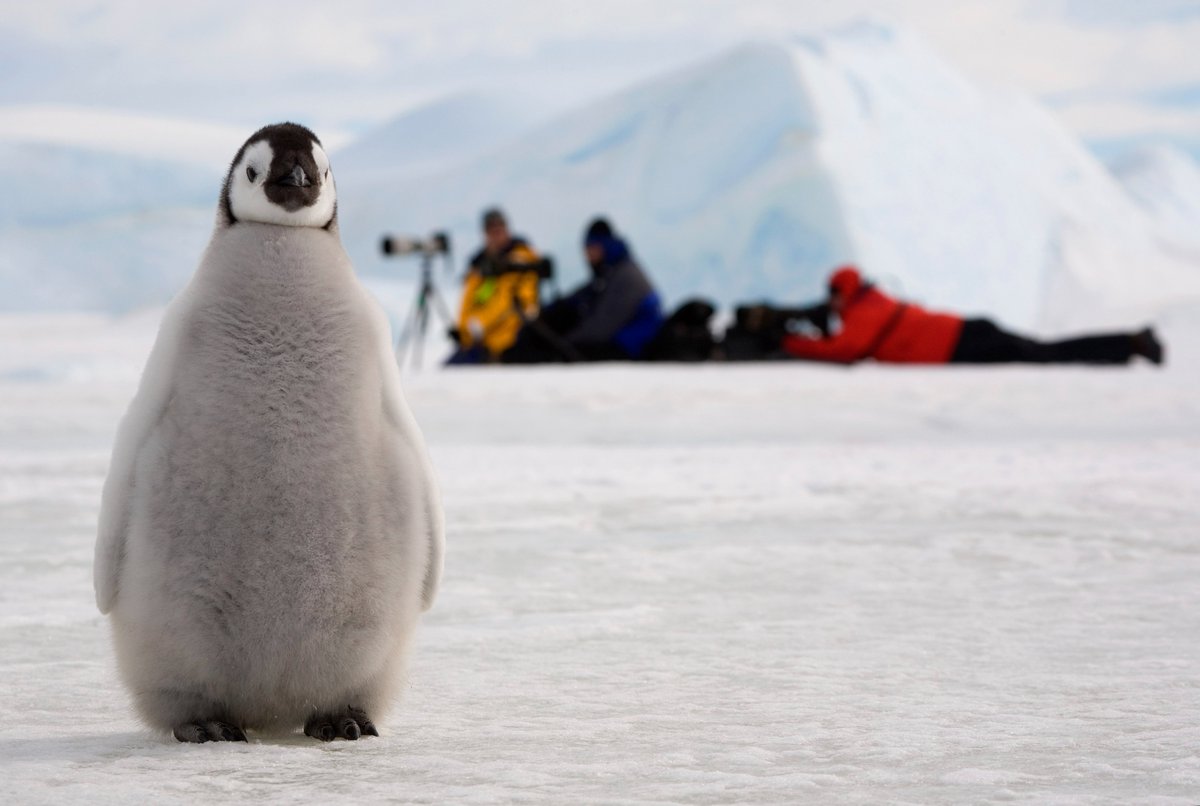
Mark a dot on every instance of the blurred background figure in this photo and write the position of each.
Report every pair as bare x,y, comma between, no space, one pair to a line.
874,325
611,317
500,292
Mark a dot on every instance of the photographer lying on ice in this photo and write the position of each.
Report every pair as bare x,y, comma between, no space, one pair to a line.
612,317
497,295
874,325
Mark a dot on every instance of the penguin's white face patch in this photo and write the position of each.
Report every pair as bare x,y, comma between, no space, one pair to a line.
293,187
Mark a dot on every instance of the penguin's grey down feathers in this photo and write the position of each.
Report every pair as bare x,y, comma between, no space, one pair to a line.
270,530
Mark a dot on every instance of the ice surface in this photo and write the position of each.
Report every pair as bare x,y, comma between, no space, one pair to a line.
709,171
435,136
64,185
754,584
749,175
755,173
88,229
113,263
1166,181
133,134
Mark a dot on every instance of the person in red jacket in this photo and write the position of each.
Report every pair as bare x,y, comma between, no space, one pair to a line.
874,325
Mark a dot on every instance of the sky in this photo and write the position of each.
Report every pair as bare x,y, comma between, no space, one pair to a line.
1116,71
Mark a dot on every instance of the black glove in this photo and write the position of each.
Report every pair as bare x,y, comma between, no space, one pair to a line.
819,316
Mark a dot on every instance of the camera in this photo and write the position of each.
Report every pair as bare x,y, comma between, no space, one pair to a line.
542,267
436,244
774,322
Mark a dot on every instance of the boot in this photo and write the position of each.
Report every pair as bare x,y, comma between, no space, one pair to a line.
1147,345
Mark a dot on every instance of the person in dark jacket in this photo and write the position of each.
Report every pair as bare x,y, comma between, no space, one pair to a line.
612,317
874,325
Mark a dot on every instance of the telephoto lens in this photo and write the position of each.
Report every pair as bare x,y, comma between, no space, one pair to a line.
397,245
437,244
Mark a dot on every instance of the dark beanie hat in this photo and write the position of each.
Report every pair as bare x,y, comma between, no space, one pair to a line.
493,215
598,230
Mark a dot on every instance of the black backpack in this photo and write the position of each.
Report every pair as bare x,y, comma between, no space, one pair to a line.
758,330
754,335
685,335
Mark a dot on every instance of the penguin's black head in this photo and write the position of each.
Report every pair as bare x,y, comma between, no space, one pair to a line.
280,176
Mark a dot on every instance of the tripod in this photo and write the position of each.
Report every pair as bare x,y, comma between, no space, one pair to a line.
412,335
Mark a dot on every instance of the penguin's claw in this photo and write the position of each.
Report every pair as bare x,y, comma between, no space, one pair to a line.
348,729
364,723
319,730
350,726
200,732
233,733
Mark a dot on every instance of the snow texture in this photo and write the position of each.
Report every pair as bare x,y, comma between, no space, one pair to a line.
720,584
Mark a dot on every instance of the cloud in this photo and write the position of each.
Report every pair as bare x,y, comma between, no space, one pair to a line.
1123,13
142,135
1108,120
348,63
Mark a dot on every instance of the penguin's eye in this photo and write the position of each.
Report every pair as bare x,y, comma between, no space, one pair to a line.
327,173
251,174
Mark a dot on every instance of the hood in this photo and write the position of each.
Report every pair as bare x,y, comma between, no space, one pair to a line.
845,282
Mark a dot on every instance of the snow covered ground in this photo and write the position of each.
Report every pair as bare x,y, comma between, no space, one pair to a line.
771,584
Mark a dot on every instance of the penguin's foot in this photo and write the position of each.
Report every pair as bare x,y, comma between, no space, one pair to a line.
349,724
200,732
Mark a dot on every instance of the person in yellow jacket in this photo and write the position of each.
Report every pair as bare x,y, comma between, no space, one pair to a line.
496,293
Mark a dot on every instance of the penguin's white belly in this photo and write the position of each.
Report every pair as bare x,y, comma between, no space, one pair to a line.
276,558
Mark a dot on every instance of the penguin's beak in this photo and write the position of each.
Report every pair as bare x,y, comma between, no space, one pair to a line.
297,178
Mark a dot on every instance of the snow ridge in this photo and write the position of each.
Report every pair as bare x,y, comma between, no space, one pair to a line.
747,176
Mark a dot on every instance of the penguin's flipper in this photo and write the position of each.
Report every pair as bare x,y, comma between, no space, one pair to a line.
401,420
437,545
145,411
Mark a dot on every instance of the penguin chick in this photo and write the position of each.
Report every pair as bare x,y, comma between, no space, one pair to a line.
270,529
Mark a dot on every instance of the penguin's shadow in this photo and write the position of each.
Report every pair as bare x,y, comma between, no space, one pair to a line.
103,747
81,748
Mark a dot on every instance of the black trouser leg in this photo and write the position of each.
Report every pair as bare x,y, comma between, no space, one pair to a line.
983,342
603,352
532,346
1116,348
560,316
540,341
